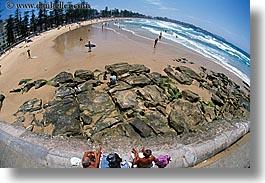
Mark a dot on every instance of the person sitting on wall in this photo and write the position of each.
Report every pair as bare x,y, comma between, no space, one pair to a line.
91,159
146,161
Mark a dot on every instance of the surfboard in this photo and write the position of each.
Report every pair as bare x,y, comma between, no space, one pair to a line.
92,45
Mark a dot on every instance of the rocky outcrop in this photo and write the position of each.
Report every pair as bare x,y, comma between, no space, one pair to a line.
125,99
185,116
62,78
64,116
122,68
140,106
30,106
84,75
27,84
189,72
190,96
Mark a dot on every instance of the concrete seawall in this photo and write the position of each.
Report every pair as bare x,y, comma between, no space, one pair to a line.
20,148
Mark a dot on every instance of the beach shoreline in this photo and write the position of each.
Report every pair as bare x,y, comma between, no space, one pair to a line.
49,62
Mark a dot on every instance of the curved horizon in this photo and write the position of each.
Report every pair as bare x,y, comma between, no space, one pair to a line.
227,19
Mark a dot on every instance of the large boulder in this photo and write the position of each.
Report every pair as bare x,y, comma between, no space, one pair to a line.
28,86
216,100
137,80
189,72
118,68
156,78
177,122
64,92
170,72
64,116
138,68
190,96
125,99
152,93
24,81
244,102
40,83
84,87
63,77
183,78
107,121
141,127
120,135
95,102
185,116
122,68
119,86
84,74
30,106
157,122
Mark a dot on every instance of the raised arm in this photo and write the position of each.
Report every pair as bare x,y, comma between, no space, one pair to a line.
97,160
143,150
136,156
98,154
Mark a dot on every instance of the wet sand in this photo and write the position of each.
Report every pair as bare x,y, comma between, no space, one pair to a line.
61,50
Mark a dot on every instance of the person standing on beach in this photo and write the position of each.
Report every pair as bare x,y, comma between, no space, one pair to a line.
89,46
156,40
29,54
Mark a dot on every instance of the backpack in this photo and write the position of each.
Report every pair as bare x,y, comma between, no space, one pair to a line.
162,161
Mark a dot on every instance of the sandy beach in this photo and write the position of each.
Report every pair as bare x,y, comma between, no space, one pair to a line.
60,50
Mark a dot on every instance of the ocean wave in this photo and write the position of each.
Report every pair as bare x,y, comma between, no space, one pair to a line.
210,46
202,42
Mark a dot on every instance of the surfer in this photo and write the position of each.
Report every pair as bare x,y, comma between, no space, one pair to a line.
89,46
156,40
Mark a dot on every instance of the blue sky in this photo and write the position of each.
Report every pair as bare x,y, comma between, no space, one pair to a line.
229,19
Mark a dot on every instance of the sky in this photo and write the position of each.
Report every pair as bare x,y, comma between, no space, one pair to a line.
229,19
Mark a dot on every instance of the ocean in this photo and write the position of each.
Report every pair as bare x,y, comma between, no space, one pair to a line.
203,42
